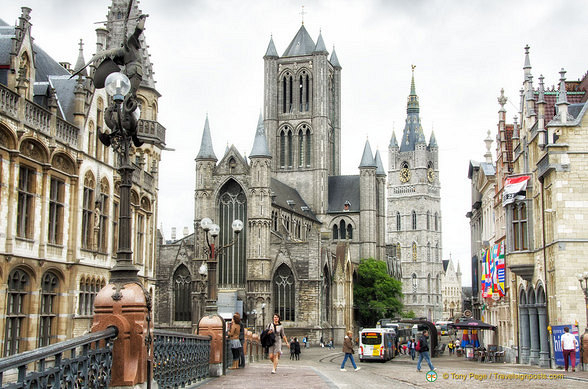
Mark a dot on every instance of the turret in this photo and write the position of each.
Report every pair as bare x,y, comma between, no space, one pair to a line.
380,208
367,200
205,164
541,104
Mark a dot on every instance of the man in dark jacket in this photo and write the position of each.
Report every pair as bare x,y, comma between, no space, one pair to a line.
423,344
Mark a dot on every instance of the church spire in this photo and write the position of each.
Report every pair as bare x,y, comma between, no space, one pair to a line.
413,131
81,62
379,165
320,45
260,148
334,60
393,141
206,150
367,160
271,49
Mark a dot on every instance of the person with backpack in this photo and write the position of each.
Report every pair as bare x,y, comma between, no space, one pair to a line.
423,348
275,350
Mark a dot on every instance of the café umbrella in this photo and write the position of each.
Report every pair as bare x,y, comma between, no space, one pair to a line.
471,324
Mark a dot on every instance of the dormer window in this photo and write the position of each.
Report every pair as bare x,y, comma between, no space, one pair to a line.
346,206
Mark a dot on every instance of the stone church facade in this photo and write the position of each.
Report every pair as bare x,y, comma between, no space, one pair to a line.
414,214
306,225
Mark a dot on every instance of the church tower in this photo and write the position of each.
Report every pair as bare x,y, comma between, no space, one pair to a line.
302,104
414,213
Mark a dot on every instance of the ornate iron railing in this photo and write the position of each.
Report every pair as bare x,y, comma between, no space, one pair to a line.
179,359
88,366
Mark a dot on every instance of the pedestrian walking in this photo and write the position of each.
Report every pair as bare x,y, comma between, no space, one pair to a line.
423,349
568,345
304,341
322,342
234,339
348,350
275,351
412,349
242,340
292,349
297,349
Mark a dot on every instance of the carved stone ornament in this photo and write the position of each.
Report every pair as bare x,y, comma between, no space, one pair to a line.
64,164
6,140
32,150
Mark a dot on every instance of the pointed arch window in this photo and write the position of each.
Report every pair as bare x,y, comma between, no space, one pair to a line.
289,153
326,295
287,93
428,251
349,231
415,284
300,148
104,209
284,293
429,287
231,265
308,145
436,222
282,149
304,91
48,316
398,222
342,229
414,251
414,220
284,95
398,253
87,211
335,231
182,292
428,220
16,311
437,252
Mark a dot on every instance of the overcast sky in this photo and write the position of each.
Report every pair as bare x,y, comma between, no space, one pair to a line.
208,58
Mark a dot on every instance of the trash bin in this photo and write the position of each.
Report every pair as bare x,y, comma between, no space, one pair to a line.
469,352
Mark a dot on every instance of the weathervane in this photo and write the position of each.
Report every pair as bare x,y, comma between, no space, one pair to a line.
302,13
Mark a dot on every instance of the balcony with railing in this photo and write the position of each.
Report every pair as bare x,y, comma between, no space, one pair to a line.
151,131
37,117
8,102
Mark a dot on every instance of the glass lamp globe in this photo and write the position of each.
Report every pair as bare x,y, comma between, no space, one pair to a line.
117,85
205,223
237,226
214,230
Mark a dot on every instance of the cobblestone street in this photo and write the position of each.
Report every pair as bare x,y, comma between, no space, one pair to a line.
319,368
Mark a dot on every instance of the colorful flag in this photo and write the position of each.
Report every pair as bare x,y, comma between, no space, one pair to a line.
514,189
501,269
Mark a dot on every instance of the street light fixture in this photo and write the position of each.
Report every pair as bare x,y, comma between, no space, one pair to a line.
212,230
583,279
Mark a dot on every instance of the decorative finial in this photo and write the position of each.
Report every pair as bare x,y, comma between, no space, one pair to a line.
502,99
81,44
302,13
413,66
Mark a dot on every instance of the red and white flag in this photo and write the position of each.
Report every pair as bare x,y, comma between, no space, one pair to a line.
514,189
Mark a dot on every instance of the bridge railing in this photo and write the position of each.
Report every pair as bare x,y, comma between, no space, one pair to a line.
85,362
179,359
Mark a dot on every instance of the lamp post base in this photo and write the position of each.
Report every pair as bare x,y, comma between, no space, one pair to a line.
214,325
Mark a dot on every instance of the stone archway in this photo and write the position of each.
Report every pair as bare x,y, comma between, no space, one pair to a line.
525,335
544,351
534,327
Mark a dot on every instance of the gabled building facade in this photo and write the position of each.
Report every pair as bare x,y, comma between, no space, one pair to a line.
59,196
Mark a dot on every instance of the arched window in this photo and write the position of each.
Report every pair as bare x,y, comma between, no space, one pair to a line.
429,287
308,146
102,214
304,91
282,149
414,251
349,231
284,94
287,93
342,229
300,148
49,288
231,265
289,152
398,253
56,207
415,284
182,292
519,224
428,220
437,252
428,251
398,221
335,231
414,220
100,149
16,311
284,293
436,222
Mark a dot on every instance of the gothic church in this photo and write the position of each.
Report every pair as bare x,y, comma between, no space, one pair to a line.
306,225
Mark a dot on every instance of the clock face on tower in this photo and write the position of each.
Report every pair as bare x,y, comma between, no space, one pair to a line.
431,175
404,174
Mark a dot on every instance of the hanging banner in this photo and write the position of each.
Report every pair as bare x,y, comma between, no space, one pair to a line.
500,269
514,189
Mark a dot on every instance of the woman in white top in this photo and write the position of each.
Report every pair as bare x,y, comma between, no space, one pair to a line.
276,349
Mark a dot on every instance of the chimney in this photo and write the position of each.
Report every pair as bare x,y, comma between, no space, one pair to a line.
173,234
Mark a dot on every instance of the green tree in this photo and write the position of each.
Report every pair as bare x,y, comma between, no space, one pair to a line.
376,295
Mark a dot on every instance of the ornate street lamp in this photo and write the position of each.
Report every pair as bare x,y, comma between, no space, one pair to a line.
583,278
211,232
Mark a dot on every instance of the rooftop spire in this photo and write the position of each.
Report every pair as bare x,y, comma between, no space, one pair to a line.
320,45
413,131
81,62
334,60
527,65
541,97
502,99
488,141
562,98
379,165
393,142
206,150
260,148
367,160
432,140
271,49
302,44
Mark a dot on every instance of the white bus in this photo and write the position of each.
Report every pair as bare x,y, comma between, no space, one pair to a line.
377,344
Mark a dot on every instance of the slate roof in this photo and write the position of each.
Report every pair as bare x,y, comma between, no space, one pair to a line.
284,193
574,109
342,189
271,49
379,165
488,169
64,91
206,150
367,160
260,148
413,131
320,45
302,44
334,60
